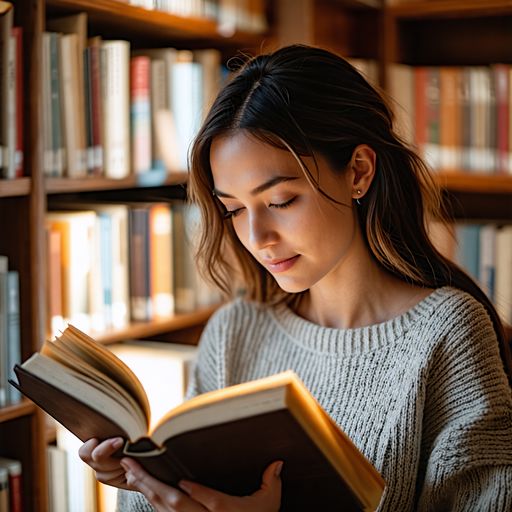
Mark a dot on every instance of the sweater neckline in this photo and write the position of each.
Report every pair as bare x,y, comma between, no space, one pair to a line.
359,340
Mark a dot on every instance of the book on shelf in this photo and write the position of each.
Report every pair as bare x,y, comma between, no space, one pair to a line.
17,33
7,92
57,479
461,115
10,343
94,395
15,470
485,252
4,490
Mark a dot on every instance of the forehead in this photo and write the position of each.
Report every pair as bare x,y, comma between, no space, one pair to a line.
244,160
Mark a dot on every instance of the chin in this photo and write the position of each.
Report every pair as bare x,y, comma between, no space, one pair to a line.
292,286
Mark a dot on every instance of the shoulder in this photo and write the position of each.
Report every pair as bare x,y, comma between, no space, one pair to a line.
455,313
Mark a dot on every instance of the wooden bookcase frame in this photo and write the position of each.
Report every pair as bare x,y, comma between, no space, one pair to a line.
370,31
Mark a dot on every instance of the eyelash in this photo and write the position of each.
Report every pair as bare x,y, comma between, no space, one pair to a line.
234,213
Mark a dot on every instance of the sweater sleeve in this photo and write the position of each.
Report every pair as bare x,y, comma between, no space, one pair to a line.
467,432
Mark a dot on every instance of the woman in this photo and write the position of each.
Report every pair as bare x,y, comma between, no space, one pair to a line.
303,182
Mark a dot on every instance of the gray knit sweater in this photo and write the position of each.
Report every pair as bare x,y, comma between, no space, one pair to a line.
423,396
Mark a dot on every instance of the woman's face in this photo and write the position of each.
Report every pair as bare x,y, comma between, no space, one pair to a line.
298,236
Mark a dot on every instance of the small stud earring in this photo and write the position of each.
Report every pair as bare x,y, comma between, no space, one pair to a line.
357,200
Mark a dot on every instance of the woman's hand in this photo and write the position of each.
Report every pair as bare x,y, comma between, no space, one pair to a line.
197,498
99,456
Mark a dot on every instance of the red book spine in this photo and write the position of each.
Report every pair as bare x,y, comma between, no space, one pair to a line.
502,100
17,33
15,492
421,129
97,135
140,99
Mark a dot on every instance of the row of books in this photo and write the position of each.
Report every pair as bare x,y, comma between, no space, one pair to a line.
485,251
163,369
10,343
112,263
459,117
11,95
11,499
231,15
109,111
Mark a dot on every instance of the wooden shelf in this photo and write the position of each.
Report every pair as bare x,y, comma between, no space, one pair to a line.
67,185
157,24
450,9
11,412
16,187
482,183
361,4
137,330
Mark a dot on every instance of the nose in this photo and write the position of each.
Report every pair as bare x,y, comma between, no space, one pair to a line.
262,232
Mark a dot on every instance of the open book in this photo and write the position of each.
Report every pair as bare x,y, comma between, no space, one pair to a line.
223,439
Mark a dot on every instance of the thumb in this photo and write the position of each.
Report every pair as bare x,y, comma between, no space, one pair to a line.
271,482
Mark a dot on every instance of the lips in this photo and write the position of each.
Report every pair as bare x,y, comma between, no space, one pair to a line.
280,265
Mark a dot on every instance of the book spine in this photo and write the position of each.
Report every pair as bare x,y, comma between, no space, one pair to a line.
17,33
57,145
4,490
161,261
55,282
97,114
465,117
4,338
488,258
14,340
492,122
106,266
503,282
139,265
158,104
140,107
88,112
5,68
448,125
433,94
68,107
15,491
117,107
421,119
501,80
11,111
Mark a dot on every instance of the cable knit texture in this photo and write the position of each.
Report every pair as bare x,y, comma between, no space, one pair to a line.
423,396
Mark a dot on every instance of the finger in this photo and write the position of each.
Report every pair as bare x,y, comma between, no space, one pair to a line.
270,490
162,497
212,500
85,451
115,478
102,455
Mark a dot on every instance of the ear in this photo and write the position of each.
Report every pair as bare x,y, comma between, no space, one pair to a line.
363,166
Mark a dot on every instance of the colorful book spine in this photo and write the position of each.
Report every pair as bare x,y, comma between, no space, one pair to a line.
88,112
4,490
14,469
140,107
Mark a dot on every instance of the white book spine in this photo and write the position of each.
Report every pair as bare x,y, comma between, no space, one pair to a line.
116,109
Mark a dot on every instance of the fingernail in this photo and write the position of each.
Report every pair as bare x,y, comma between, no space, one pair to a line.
185,486
279,468
118,443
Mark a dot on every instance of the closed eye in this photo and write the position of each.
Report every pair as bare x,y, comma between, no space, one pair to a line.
233,213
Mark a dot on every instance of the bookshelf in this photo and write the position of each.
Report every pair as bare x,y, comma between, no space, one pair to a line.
23,202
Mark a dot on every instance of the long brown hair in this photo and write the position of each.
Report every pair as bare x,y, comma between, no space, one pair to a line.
312,102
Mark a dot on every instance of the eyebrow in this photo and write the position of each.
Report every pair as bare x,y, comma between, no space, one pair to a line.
261,188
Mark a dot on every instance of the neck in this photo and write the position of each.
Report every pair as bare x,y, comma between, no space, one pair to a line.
359,293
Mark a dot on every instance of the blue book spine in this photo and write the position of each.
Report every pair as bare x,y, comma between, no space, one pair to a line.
472,249
106,265
4,340
14,339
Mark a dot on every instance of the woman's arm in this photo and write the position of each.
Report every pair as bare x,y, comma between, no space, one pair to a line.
467,432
